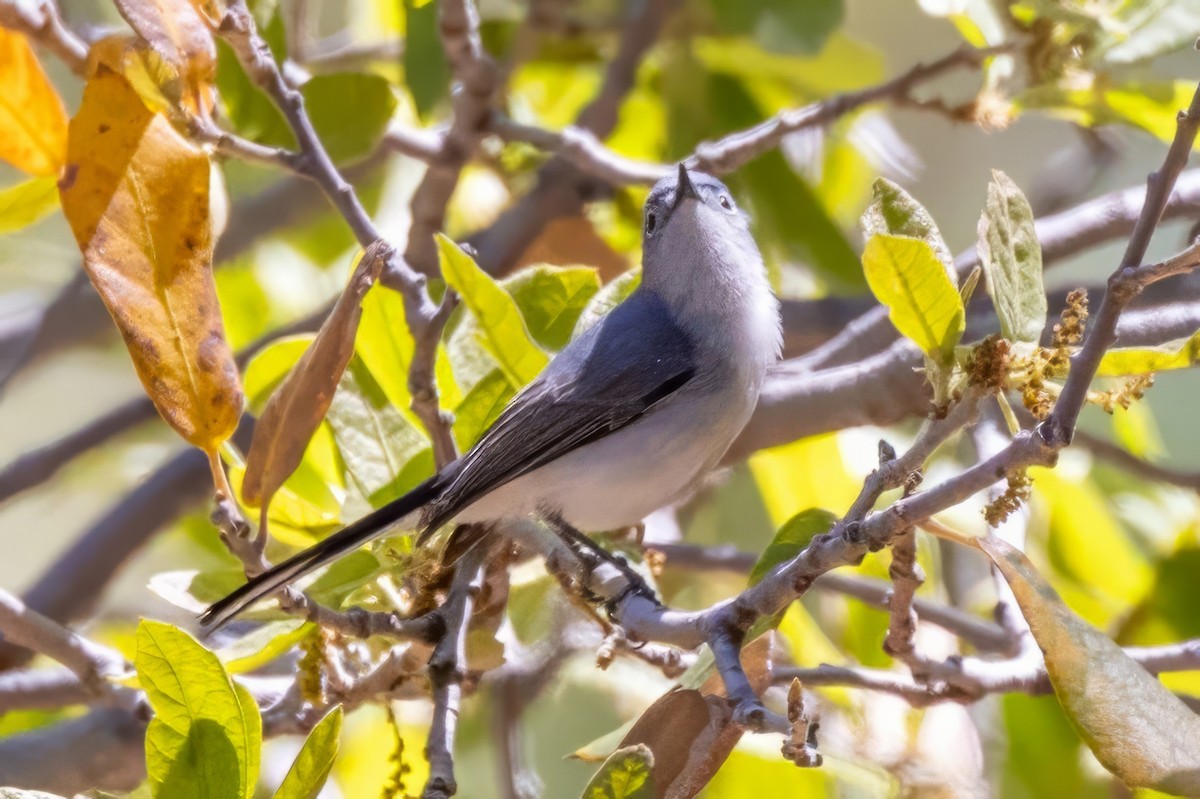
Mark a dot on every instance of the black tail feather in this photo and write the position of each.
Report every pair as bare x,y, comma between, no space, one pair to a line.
332,548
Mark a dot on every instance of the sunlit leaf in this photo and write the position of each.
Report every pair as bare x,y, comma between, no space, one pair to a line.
205,736
298,405
1012,261
177,32
896,212
366,762
1085,541
384,454
263,644
136,195
501,327
315,760
608,297
33,123
27,202
1138,729
551,300
386,346
350,111
1140,360
746,773
625,775
480,407
923,303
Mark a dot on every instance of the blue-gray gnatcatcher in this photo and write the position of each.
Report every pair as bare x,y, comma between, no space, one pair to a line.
625,419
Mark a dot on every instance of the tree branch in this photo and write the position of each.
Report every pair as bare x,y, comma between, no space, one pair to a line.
447,670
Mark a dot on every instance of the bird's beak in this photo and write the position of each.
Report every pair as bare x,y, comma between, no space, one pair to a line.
684,188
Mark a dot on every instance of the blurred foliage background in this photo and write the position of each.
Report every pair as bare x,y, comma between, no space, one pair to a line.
1122,551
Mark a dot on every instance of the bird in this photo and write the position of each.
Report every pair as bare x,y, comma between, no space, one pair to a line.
627,418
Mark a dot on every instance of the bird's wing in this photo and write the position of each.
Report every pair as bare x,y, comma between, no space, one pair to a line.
608,378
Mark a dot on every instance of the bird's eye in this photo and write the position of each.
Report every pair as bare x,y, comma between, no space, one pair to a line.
725,202
651,224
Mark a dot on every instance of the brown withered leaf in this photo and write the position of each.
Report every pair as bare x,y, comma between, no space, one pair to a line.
689,731
33,124
298,405
136,195
179,34
1137,729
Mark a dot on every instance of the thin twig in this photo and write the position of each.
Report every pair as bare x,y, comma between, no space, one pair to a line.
448,670
734,150
1127,282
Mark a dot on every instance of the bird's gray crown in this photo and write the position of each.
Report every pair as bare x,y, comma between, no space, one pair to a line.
665,190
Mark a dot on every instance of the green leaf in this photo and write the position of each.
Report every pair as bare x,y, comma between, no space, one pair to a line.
384,454
205,737
612,294
312,765
350,112
895,212
263,644
551,300
1180,354
480,408
791,539
386,346
251,112
25,203
501,327
923,303
267,369
1012,261
625,775
426,72
1137,729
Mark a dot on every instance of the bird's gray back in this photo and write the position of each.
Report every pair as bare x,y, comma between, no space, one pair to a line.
605,379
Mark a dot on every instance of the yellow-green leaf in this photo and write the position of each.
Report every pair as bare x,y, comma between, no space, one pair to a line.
551,300
896,212
385,455
500,324
625,775
1012,261
136,196
1137,729
25,203
33,123
1180,354
205,737
312,765
923,303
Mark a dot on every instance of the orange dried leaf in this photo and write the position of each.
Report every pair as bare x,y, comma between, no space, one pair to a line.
136,195
1137,729
33,123
297,407
180,35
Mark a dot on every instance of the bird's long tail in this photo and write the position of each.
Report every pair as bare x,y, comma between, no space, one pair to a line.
316,556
